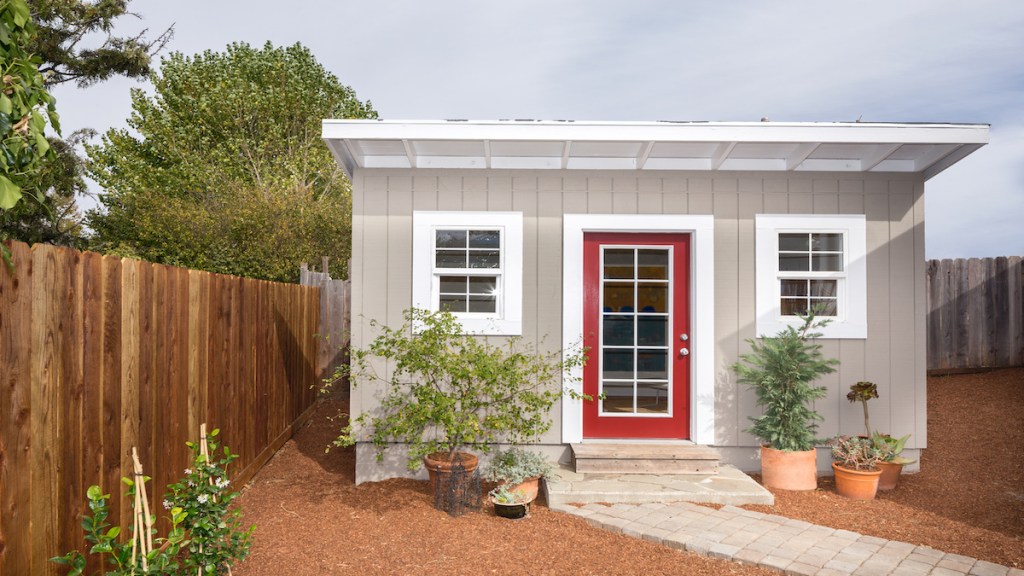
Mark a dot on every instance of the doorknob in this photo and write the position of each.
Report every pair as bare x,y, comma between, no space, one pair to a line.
684,351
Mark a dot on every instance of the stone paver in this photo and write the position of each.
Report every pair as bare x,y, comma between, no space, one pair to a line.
789,546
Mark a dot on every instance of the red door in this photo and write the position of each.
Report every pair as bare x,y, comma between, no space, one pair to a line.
636,325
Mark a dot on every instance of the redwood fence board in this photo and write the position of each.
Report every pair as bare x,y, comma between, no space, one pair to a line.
101,354
975,313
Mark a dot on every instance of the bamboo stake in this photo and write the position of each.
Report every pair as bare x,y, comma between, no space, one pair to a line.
142,516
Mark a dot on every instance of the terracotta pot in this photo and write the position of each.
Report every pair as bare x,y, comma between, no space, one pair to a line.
890,475
789,470
529,487
439,465
856,484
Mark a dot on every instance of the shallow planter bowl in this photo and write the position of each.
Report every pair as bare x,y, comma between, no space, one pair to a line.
511,511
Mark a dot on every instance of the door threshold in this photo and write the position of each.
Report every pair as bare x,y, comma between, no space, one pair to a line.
664,441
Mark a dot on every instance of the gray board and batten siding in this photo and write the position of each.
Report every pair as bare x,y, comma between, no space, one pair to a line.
893,355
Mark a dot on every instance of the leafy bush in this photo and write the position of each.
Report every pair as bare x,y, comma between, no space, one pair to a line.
515,465
448,390
781,370
216,537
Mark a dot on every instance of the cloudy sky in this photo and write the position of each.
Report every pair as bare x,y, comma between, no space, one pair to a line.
807,60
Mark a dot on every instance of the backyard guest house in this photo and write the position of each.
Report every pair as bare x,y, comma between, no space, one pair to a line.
664,246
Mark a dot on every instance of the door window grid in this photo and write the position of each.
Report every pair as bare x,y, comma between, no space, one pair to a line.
635,373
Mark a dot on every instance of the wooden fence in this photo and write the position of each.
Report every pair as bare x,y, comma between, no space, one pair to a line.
335,319
975,313
101,354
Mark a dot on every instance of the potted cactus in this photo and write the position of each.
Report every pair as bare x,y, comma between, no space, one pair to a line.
855,462
782,370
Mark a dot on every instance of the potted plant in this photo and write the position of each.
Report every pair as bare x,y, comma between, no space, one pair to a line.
855,462
888,448
447,391
782,371
513,504
890,461
518,470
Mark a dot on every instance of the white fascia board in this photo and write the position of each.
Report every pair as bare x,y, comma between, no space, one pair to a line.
849,132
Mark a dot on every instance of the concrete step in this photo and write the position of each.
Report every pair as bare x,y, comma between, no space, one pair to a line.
644,458
727,486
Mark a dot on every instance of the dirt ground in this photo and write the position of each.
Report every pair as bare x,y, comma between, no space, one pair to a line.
311,519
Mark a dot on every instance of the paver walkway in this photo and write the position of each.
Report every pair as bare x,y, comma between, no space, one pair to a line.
788,545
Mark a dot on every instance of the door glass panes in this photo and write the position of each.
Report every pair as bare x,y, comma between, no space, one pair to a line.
635,310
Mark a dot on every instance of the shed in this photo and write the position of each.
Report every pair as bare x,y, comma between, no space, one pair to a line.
665,245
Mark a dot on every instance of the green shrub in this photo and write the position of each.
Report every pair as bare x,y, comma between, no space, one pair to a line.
448,390
781,370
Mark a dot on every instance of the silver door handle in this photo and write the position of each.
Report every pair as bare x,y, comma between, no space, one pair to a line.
684,351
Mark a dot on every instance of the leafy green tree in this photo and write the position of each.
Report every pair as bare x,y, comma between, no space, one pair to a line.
25,106
72,40
229,173
65,42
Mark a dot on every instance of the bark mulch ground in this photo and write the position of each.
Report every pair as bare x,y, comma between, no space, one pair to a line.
311,519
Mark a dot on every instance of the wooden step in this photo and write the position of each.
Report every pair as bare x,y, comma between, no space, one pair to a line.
639,458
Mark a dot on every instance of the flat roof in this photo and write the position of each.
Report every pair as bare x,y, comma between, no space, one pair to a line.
586,145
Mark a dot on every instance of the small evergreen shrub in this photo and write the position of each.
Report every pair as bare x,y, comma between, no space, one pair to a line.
782,370
515,465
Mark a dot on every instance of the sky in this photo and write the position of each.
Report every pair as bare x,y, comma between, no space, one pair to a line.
792,60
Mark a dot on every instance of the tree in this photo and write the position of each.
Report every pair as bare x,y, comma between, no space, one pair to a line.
63,25
25,106
64,46
230,174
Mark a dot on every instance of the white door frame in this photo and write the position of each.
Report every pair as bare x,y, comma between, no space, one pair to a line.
702,306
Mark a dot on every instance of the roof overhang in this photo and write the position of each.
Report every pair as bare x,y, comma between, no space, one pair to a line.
570,145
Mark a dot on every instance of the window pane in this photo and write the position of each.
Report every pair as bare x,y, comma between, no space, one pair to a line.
653,264
618,263
451,259
828,262
618,364
793,306
618,331
652,330
793,262
453,284
827,242
652,397
484,259
484,239
828,307
652,364
451,238
453,302
794,287
481,303
652,298
823,288
618,397
618,297
793,242
483,284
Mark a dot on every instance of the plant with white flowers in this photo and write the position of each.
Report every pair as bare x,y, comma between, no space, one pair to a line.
216,537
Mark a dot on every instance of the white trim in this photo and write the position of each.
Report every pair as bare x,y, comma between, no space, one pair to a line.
852,319
509,319
702,307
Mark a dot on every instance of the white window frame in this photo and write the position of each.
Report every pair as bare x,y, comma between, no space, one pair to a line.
851,320
508,319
